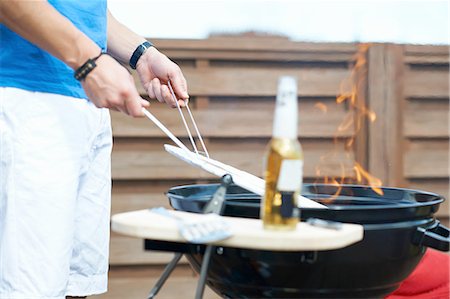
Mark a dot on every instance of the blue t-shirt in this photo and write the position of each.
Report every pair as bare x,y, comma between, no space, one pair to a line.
24,65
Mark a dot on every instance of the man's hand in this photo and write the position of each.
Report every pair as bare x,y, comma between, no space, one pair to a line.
109,85
155,71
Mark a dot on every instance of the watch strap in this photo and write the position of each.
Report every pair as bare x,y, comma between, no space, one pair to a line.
138,53
81,72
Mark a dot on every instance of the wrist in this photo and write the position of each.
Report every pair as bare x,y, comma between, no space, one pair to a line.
82,49
82,56
139,52
147,57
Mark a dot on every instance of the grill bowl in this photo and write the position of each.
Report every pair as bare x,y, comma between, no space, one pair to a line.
392,247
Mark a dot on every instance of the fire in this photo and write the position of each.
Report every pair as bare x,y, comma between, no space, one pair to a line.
358,114
374,182
321,106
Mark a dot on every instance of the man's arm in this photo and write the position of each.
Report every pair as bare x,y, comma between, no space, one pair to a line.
109,85
44,26
154,68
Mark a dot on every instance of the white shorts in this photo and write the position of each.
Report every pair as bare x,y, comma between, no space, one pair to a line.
55,193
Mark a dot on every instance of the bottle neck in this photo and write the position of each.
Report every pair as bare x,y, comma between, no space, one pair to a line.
286,113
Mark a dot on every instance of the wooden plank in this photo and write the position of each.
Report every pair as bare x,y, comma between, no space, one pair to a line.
256,49
242,81
130,251
135,282
360,71
439,186
138,195
426,83
427,59
426,119
201,103
255,120
384,96
141,159
259,56
427,159
426,54
247,233
251,44
426,50
202,63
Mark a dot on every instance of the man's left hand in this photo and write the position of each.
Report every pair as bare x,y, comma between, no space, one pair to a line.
155,71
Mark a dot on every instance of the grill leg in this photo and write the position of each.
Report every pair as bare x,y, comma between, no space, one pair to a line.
167,271
203,272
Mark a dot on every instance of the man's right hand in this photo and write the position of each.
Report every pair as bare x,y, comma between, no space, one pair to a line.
110,85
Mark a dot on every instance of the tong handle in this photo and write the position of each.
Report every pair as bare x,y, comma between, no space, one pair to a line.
164,129
199,136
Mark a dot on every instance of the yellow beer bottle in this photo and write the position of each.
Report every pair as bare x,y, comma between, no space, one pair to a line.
284,162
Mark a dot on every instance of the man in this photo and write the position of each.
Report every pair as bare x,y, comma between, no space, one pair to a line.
55,144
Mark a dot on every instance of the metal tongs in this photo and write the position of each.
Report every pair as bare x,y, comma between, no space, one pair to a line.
242,178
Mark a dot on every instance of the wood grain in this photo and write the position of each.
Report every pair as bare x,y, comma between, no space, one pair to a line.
427,83
427,159
385,79
236,43
254,81
146,159
137,195
426,50
130,251
426,118
238,121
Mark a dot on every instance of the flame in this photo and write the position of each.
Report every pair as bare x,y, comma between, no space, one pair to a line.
346,123
357,115
322,107
373,182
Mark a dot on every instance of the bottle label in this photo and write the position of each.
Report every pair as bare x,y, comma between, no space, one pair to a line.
291,175
287,204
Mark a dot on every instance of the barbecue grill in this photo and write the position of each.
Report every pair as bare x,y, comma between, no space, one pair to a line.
398,228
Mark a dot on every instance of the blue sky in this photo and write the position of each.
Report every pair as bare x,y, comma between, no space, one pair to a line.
401,21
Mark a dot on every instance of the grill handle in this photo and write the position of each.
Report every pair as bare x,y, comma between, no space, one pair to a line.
437,237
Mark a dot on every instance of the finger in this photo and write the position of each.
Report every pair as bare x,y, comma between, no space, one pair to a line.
182,103
133,103
179,84
150,92
145,103
167,95
103,104
108,105
156,86
122,108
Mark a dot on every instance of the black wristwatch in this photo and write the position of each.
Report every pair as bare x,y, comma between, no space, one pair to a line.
138,53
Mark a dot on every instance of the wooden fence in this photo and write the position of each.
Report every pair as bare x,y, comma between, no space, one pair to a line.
232,84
